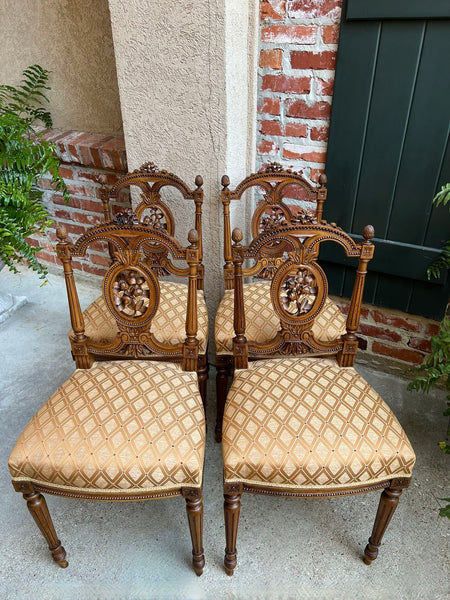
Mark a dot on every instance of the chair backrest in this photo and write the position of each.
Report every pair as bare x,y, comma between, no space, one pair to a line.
298,290
275,183
153,211
131,290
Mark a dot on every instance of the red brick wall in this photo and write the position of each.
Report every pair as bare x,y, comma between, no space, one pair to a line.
88,160
392,334
298,49
296,74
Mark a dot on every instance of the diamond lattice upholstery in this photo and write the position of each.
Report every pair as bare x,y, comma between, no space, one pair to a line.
306,422
119,426
168,324
262,324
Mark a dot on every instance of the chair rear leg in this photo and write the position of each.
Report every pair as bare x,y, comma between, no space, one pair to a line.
232,507
194,509
202,373
386,508
38,508
221,395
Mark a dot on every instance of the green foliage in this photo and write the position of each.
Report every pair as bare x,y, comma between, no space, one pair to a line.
436,367
24,158
442,262
445,511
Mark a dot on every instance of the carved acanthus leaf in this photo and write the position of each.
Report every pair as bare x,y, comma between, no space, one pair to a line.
127,257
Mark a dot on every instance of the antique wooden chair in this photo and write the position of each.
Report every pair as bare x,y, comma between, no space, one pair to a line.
274,184
306,426
168,323
125,429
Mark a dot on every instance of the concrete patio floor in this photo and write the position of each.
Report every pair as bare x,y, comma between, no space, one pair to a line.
306,549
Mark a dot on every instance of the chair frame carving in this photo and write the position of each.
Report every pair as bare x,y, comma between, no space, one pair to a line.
273,179
295,335
151,180
128,240
302,241
134,338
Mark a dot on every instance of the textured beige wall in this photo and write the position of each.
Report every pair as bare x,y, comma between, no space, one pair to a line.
187,81
73,39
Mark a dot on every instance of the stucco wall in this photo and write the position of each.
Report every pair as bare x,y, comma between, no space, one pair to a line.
187,83
72,38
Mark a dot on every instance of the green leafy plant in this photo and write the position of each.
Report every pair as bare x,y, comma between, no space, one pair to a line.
443,260
24,158
436,368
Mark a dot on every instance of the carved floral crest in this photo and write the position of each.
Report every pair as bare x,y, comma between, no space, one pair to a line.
126,217
272,220
154,218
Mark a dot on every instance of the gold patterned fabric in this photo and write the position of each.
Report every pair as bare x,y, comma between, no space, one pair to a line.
305,423
262,324
168,324
119,426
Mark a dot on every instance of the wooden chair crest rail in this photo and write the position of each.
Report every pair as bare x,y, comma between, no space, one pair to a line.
274,185
124,429
306,424
151,211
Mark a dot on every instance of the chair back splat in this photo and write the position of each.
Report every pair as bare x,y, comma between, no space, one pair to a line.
131,290
153,211
274,183
298,290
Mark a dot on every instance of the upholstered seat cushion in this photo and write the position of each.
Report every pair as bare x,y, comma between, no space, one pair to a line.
168,324
120,426
305,423
262,324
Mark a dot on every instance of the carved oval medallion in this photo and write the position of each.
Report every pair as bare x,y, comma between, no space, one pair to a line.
131,293
298,292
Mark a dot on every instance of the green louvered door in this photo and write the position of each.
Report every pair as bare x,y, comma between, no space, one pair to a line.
388,151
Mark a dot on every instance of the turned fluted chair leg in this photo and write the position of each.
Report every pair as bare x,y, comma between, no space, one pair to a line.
38,508
232,507
194,509
386,508
221,395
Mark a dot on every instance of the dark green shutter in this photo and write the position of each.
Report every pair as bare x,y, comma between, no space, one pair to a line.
388,151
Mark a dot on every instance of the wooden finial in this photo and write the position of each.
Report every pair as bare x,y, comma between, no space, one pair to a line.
61,233
368,232
225,181
199,181
193,237
237,235
323,179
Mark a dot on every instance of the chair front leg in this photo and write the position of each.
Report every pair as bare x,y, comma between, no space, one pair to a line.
38,508
194,509
232,507
386,508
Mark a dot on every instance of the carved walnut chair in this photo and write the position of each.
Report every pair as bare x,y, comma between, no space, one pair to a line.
168,323
126,429
307,426
274,184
